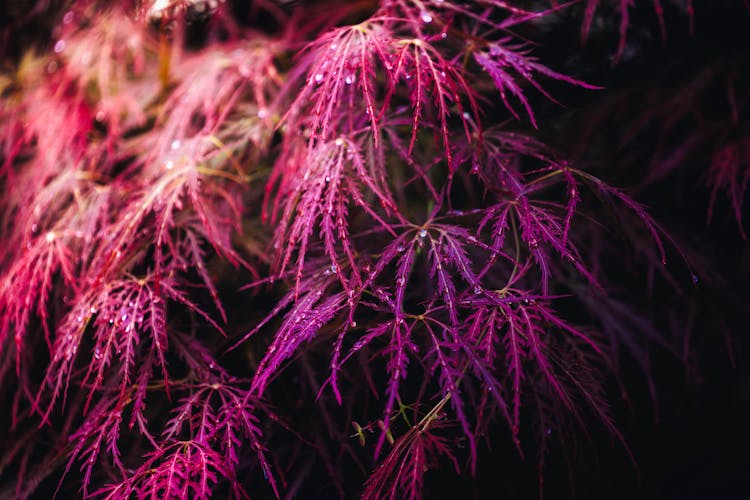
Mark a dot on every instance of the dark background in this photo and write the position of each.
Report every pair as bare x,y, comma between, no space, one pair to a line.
693,442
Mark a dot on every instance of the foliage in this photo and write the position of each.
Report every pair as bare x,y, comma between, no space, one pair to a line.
403,237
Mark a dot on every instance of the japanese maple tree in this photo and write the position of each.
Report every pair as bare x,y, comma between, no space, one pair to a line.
273,248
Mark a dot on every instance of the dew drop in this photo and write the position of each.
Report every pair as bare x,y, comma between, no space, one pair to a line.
334,269
695,279
443,35
262,113
318,78
426,17
50,236
97,353
477,290
400,282
68,17
34,228
169,165
59,46
353,324
400,248
100,116
176,144
328,179
93,310
349,79
422,233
